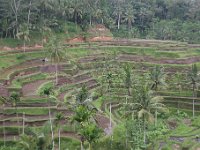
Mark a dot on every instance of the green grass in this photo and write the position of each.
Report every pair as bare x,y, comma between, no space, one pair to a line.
28,111
19,82
69,143
10,42
14,59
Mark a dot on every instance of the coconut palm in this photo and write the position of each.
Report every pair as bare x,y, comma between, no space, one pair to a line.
178,81
47,92
82,95
144,104
23,34
15,98
157,76
108,77
2,104
118,12
194,79
129,16
56,53
59,118
34,139
127,80
27,142
91,132
75,8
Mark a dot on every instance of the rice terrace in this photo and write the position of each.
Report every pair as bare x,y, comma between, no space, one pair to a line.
73,79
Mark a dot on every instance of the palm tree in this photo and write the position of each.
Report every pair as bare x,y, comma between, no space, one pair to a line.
23,34
157,76
129,16
47,92
59,118
15,98
178,81
34,139
55,51
91,132
128,81
2,103
194,79
82,95
84,111
27,142
118,12
144,104
109,80
76,9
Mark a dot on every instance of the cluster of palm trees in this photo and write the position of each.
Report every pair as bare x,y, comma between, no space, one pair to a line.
143,103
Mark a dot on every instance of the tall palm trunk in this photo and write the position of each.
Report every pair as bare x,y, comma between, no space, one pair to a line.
59,138
50,120
193,102
23,122
144,131
24,46
15,9
118,21
29,12
90,147
4,131
90,20
156,117
129,91
56,66
17,118
110,116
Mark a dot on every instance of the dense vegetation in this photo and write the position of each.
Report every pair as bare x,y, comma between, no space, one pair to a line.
159,19
100,96
68,91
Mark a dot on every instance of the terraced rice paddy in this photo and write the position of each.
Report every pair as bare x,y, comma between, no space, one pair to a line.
27,74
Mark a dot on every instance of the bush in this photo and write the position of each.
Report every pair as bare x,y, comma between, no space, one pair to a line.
20,57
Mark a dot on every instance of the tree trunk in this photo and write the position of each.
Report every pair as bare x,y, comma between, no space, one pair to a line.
23,122
15,10
75,18
59,138
102,21
178,106
17,119
56,66
89,146
52,134
156,117
193,101
6,33
144,130
129,92
118,21
4,131
90,20
24,46
81,145
29,12
110,116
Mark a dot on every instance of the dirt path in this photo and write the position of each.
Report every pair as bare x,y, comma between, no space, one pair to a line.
135,58
27,64
30,89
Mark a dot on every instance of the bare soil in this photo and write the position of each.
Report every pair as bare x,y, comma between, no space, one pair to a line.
102,121
4,91
92,59
21,48
31,88
136,58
